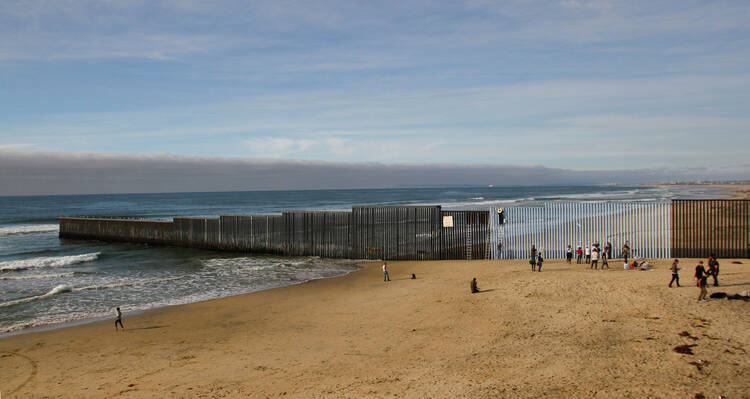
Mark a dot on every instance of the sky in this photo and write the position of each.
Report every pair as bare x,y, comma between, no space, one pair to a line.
402,92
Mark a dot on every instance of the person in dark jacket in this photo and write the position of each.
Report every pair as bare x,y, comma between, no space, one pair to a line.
713,269
700,272
675,276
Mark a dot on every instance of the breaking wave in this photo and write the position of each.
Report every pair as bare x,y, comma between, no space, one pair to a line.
57,290
47,261
28,229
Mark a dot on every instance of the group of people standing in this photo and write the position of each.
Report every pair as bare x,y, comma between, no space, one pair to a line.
594,254
536,260
701,275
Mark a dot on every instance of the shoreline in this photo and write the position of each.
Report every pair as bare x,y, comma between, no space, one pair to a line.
733,191
97,319
527,334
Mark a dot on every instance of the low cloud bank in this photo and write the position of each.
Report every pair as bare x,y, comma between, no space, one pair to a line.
42,173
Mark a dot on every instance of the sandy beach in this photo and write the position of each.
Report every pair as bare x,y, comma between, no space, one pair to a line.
565,332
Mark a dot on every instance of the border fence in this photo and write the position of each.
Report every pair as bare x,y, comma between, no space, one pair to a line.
681,228
552,226
703,227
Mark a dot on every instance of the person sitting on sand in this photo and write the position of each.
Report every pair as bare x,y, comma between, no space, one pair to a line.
474,288
118,320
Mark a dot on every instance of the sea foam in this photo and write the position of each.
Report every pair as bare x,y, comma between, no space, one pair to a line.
28,229
47,261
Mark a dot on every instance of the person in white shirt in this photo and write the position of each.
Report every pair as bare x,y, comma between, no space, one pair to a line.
386,277
594,259
587,252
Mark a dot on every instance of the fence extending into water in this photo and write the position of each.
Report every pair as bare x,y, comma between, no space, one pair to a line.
681,228
374,232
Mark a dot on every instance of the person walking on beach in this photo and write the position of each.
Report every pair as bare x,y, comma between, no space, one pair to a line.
588,254
702,283
604,260
579,255
713,268
386,277
594,259
569,254
675,276
700,271
625,251
118,320
474,288
532,261
539,261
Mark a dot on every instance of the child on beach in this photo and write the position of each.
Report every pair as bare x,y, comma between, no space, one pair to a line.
539,261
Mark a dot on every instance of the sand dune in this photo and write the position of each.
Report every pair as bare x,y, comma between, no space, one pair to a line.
565,332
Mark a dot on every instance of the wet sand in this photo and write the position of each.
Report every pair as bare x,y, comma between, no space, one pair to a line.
565,332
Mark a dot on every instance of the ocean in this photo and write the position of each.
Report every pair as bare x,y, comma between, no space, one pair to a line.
47,282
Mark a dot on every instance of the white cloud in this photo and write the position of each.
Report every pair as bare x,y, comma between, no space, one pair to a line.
287,147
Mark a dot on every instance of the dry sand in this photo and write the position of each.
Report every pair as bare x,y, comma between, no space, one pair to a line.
567,332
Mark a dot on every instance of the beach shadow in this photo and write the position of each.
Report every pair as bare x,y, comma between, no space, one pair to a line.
727,285
483,291
147,328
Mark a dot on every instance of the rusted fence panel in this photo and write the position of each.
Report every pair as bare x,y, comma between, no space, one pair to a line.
704,227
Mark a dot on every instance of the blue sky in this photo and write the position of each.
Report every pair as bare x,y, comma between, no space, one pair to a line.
572,84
